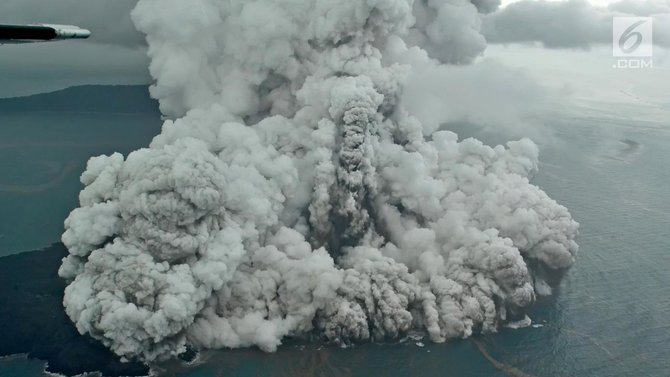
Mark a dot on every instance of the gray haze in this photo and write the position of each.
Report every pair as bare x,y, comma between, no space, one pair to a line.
570,24
115,54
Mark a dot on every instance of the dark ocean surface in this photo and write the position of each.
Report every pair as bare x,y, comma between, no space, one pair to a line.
611,316
44,151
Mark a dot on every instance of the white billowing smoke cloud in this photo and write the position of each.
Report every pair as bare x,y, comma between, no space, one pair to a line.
448,29
297,194
487,94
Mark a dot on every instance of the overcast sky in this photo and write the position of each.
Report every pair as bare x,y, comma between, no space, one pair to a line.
115,54
565,44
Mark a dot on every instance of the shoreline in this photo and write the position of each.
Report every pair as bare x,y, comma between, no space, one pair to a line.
34,324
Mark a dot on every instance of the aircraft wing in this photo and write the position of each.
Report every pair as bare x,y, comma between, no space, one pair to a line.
12,34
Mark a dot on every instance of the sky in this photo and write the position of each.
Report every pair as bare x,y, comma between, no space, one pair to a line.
115,54
564,45
594,2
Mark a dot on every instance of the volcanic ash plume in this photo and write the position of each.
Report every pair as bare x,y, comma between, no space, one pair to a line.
295,195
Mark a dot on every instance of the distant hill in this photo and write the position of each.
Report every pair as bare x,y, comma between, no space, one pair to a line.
89,99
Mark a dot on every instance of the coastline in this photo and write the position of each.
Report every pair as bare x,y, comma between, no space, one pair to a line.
33,322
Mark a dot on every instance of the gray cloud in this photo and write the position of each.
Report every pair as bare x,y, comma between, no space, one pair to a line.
642,8
569,24
116,53
486,6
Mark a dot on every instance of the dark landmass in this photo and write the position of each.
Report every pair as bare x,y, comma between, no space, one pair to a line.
130,99
33,321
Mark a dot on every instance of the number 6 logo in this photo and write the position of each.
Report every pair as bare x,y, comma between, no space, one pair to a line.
632,36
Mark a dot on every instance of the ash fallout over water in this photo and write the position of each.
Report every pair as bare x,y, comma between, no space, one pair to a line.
304,186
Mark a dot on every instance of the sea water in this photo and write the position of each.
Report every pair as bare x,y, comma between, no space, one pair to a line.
42,155
610,317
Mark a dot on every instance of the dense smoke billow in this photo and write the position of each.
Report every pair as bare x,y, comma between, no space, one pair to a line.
296,195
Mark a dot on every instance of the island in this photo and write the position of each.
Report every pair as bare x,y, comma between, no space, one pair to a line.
33,321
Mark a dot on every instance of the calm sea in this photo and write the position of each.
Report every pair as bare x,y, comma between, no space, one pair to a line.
42,156
611,316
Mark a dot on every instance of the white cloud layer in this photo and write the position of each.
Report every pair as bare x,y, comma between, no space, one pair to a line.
571,23
303,187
